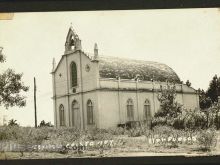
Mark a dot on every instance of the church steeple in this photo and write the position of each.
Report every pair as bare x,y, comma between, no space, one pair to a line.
72,40
96,53
54,65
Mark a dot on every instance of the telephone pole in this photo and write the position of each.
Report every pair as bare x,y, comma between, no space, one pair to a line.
35,106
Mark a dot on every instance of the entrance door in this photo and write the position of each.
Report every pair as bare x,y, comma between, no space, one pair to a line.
75,114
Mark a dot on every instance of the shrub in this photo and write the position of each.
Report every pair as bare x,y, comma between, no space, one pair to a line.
167,135
187,119
98,134
135,132
139,129
207,139
62,136
45,124
158,121
117,131
8,132
178,122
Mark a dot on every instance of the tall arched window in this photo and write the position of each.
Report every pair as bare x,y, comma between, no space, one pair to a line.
73,72
130,110
75,114
147,112
90,119
62,115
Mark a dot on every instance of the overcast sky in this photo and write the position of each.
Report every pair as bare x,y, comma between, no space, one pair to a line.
187,40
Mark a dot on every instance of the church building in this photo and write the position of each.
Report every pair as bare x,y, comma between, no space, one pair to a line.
102,91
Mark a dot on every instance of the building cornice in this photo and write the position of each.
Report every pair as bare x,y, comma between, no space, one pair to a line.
140,90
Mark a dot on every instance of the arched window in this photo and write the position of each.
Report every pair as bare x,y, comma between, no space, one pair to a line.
73,72
75,114
90,119
130,110
62,115
147,112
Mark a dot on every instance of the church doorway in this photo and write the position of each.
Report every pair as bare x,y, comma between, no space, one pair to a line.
75,114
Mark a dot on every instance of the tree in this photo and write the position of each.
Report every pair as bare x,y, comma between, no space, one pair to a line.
12,122
204,101
2,57
11,87
168,106
170,110
214,89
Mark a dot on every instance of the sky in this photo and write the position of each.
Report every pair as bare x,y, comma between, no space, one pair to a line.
187,40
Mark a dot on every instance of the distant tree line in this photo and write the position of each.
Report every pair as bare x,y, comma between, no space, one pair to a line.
210,96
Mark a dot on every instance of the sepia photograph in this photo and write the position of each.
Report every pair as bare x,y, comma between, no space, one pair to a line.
110,83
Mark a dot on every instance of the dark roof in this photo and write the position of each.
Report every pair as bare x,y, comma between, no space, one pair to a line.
111,67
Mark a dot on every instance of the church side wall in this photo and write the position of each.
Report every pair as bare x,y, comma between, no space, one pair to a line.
190,101
109,101
109,112
113,103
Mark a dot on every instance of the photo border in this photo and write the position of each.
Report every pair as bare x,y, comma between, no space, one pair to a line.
91,5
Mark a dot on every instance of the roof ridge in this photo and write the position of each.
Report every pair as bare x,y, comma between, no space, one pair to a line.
125,58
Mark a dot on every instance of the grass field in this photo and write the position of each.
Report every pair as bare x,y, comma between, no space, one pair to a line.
123,145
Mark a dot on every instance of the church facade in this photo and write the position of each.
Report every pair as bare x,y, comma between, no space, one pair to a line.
100,91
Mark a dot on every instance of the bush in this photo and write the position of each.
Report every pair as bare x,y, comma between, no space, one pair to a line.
117,131
8,132
167,135
158,121
187,119
195,119
45,124
135,132
207,139
98,134
178,122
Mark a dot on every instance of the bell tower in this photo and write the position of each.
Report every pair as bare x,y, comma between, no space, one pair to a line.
73,43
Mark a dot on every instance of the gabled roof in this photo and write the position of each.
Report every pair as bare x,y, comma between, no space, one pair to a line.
111,67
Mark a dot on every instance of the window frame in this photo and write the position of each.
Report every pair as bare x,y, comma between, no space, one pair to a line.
90,112
74,82
130,109
62,115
